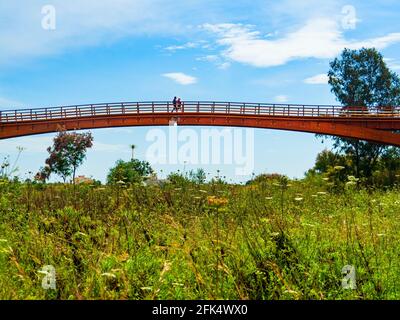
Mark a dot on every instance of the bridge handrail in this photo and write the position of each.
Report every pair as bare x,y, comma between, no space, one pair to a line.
170,102
220,107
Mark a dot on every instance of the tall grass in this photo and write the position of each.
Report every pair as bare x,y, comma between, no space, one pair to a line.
273,240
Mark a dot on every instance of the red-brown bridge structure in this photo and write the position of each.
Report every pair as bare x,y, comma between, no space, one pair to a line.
371,124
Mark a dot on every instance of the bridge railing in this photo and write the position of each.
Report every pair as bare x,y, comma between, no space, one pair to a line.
159,107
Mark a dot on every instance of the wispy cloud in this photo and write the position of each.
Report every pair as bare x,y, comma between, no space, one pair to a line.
39,144
392,63
188,45
30,144
180,78
281,99
79,24
320,38
216,60
209,58
317,79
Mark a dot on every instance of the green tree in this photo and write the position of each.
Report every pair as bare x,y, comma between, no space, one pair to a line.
129,172
198,176
361,78
66,154
327,159
265,178
178,179
389,167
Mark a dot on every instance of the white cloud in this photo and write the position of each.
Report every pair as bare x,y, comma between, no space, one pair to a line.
209,58
30,144
281,99
217,60
81,23
319,38
39,144
188,45
180,78
392,63
317,79
224,65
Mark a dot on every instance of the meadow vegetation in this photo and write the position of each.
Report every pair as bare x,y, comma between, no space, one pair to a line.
271,239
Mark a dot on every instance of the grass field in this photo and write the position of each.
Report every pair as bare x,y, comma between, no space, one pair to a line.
273,240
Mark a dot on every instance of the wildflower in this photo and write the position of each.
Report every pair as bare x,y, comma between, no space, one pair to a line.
81,234
120,182
146,288
325,179
298,199
321,193
338,168
251,187
203,191
352,178
213,200
268,198
109,275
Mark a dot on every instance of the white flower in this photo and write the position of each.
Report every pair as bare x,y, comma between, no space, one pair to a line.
109,275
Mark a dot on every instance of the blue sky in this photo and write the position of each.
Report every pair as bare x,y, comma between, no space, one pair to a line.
135,50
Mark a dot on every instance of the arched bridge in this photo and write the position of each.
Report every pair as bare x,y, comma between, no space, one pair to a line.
375,125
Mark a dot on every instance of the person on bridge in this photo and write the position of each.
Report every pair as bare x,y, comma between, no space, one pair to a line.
174,103
179,104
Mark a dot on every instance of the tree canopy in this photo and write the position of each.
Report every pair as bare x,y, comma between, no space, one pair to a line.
66,154
361,78
128,172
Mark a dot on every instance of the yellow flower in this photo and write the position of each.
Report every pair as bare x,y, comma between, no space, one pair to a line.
213,200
